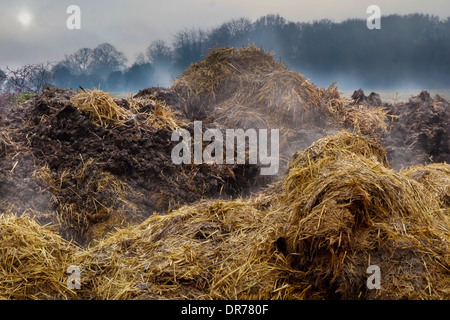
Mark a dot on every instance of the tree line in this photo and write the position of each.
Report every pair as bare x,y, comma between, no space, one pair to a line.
408,50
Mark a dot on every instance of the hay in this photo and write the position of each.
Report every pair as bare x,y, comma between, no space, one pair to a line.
339,209
159,116
251,79
435,177
348,211
342,144
368,120
90,203
7,145
217,75
219,250
101,107
33,261
246,88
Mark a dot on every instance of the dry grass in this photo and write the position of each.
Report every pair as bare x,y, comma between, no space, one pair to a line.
33,261
369,120
160,115
6,143
82,216
435,177
101,107
348,211
246,88
215,250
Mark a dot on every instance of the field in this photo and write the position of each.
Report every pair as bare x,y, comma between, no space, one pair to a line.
402,94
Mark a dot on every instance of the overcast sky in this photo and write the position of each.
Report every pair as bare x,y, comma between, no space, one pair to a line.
36,31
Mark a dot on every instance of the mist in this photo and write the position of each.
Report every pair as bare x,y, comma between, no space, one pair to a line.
408,52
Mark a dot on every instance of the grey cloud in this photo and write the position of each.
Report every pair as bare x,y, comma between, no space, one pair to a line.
132,25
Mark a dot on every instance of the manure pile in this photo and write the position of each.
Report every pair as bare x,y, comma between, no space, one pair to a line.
87,180
246,88
312,235
88,163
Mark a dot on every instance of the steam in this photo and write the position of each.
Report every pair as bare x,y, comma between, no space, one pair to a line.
163,76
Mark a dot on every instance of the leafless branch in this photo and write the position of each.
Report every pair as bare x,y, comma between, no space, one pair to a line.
30,78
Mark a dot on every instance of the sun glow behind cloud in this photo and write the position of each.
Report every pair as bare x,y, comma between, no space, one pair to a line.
25,18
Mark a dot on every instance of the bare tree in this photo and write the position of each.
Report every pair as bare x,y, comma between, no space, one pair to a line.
106,59
239,27
79,62
189,45
2,79
30,78
100,61
140,59
159,53
233,32
270,21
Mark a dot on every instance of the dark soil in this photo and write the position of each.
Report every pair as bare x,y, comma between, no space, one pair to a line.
372,100
89,164
418,130
167,95
49,132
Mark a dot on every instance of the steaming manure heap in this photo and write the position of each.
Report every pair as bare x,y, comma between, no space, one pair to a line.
419,132
246,88
338,209
89,164
87,180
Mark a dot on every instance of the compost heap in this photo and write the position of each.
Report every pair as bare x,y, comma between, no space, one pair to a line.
89,163
339,208
87,180
247,88
419,131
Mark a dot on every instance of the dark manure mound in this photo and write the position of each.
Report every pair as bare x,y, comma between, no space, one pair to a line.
247,88
338,210
419,131
106,163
